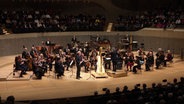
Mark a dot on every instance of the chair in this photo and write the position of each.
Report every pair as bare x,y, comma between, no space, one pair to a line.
16,70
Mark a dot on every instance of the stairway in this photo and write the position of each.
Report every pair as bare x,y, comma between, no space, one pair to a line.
109,27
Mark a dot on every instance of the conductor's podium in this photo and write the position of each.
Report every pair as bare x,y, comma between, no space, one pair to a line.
118,73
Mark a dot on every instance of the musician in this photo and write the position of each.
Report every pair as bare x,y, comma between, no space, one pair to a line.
68,60
33,52
79,62
114,58
26,55
93,58
85,63
169,57
129,60
50,60
20,65
149,60
36,69
42,63
59,68
25,52
160,58
44,50
137,64
107,59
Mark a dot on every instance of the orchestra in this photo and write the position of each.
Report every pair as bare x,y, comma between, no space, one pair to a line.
40,60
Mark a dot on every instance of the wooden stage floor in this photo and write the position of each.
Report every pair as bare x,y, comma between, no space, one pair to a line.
50,88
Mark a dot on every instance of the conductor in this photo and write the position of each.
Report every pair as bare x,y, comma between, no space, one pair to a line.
79,62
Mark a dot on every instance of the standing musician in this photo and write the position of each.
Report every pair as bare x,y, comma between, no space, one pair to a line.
114,58
79,62
59,68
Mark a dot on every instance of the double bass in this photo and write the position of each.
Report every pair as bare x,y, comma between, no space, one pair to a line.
29,63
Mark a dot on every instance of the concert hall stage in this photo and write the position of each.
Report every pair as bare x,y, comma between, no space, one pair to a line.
49,87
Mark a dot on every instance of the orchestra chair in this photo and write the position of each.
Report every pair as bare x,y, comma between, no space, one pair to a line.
15,70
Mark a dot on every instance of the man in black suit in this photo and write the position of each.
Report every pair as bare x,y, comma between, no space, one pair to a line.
78,64
114,58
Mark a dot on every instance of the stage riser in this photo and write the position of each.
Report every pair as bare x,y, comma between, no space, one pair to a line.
119,73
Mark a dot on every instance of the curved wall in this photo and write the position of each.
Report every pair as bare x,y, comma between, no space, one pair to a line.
152,38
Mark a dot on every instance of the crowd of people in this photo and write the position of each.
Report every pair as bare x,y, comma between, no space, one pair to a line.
159,93
158,18
27,21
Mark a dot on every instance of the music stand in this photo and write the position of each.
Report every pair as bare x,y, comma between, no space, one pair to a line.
90,76
71,68
49,71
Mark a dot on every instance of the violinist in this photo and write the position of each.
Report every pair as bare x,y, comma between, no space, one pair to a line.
42,63
129,61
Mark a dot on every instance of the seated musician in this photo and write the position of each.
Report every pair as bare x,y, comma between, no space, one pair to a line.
93,58
129,61
85,63
42,63
160,58
50,60
149,60
169,58
20,65
37,68
44,50
33,52
67,61
137,64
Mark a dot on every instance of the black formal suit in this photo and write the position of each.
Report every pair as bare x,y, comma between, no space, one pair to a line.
78,64
114,58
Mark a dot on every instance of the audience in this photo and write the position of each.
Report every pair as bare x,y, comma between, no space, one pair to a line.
27,21
168,93
158,18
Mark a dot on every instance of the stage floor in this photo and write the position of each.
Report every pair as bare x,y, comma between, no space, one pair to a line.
49,87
